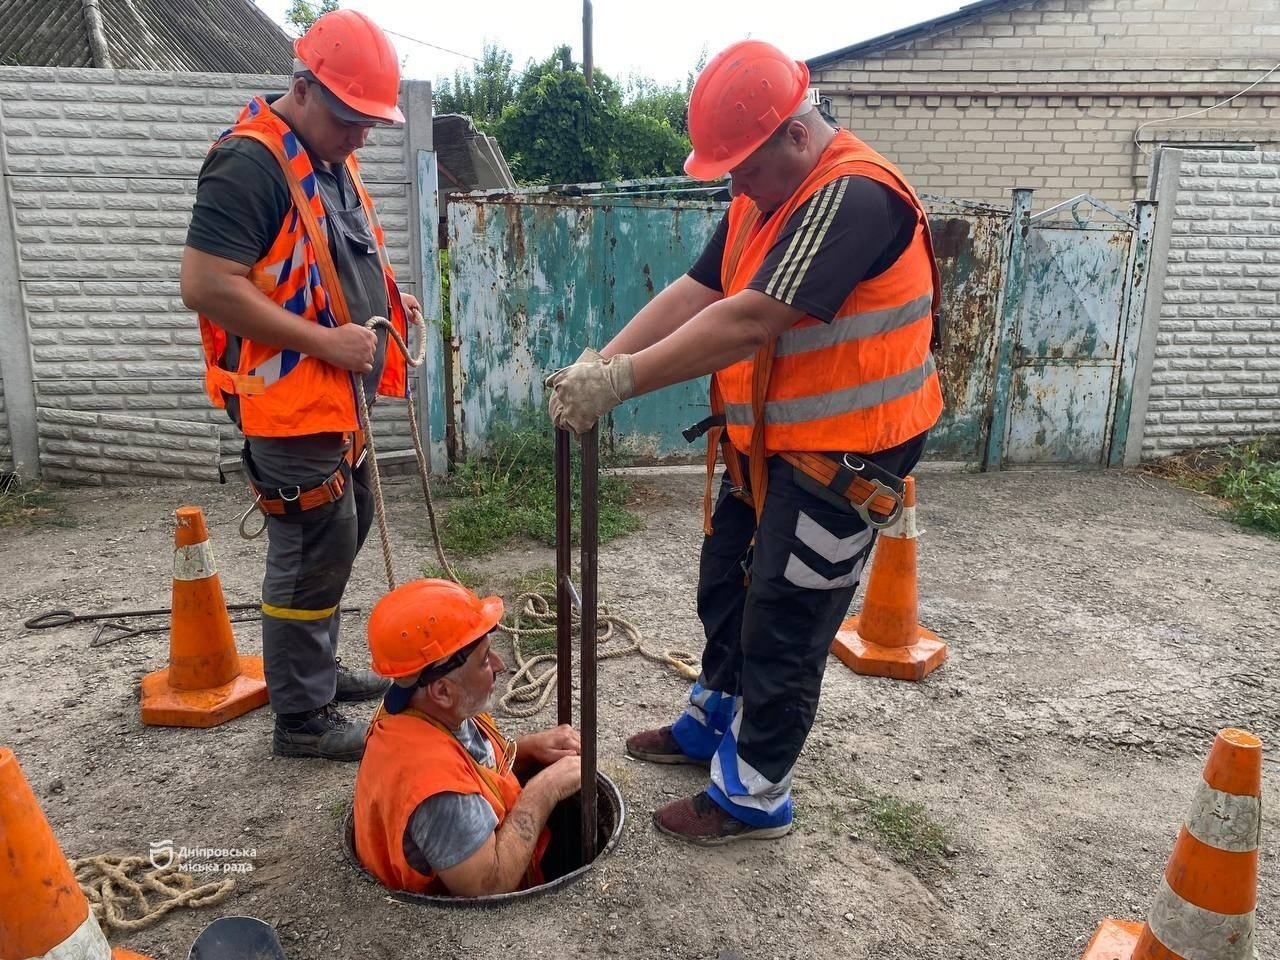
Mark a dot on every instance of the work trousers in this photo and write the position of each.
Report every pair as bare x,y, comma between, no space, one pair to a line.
770,612
309,561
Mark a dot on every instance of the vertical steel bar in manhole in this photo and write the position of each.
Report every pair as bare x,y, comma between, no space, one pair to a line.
587,663
564,570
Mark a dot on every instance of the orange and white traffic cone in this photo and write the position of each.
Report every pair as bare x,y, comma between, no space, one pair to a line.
206,682
886,639
42,911
1205,905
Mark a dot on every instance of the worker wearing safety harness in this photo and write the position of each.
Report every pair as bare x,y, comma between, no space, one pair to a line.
814,308
439,806
284,263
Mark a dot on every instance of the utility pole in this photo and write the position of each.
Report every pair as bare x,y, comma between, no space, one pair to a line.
587,69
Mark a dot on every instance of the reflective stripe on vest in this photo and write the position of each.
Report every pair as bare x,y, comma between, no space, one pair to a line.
852,326
819,406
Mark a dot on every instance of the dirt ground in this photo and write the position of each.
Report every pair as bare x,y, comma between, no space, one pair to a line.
1101,626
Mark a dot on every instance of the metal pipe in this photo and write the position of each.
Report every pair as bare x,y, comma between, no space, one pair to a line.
587,708
564,619
99,50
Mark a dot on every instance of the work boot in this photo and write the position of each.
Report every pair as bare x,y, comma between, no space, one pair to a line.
323,733
359,684
701,820
660,746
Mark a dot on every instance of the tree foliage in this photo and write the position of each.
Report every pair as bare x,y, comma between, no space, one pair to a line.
481,92
303,13
554,128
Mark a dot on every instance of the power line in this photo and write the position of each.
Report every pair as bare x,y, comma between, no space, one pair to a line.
1197,113
433,46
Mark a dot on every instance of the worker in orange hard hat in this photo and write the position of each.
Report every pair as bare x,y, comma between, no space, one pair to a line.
439,806
284,263
813,308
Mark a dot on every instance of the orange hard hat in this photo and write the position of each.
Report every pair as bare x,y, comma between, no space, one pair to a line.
352,57
422,622
742,96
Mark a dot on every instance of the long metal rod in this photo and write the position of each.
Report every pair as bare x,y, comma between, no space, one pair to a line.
587,709
564,619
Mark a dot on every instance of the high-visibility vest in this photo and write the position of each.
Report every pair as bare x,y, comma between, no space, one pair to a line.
409,757
281,392
863,382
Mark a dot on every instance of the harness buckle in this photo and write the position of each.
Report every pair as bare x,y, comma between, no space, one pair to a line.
878,488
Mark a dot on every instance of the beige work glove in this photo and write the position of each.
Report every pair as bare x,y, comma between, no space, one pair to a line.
554,406
584,392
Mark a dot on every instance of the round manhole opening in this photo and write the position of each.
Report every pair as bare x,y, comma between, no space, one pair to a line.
561,864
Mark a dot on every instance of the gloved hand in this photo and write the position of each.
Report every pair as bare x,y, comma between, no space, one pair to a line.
554,407
585,391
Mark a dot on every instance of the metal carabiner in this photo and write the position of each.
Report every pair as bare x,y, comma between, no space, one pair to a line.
245,516
880,488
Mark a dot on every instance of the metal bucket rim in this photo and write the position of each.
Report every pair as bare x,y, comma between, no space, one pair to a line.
495,900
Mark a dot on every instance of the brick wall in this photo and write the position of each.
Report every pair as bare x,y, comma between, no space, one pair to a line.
1051,94
101,171
1215,375
6,451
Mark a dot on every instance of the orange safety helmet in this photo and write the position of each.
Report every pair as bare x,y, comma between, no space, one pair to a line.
352,57
422,622
742,96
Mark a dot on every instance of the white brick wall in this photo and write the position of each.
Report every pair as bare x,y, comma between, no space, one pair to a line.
6,451
101,171
1216,370
1051,95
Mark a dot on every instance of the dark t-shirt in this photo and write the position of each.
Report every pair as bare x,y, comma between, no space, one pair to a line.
851,230
241,203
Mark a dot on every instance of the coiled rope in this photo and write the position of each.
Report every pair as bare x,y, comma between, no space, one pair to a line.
528,690
121,890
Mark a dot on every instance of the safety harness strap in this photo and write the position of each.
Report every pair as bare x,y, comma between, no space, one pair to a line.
281,501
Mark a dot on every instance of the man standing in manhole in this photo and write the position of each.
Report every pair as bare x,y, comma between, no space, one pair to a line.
813,306
439,806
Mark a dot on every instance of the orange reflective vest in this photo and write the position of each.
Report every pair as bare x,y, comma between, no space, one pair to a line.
863,382
409,757
284,393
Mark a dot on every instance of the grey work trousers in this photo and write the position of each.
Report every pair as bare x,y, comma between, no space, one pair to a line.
309,561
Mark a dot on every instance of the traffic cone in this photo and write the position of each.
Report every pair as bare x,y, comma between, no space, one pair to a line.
42,911
886,639
1205,905
206,682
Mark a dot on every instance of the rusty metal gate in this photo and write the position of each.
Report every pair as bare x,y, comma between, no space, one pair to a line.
536,277
1039,317
1071,317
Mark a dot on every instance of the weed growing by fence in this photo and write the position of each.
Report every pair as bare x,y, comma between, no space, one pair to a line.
511,492
1246,476
26,503
1251,483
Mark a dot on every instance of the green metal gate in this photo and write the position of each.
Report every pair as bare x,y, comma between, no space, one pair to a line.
1039,317
1072,311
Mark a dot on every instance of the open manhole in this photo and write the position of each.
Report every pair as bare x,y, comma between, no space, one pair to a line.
561,864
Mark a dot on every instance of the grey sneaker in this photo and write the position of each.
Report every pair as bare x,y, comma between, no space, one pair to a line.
325,734
359,684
